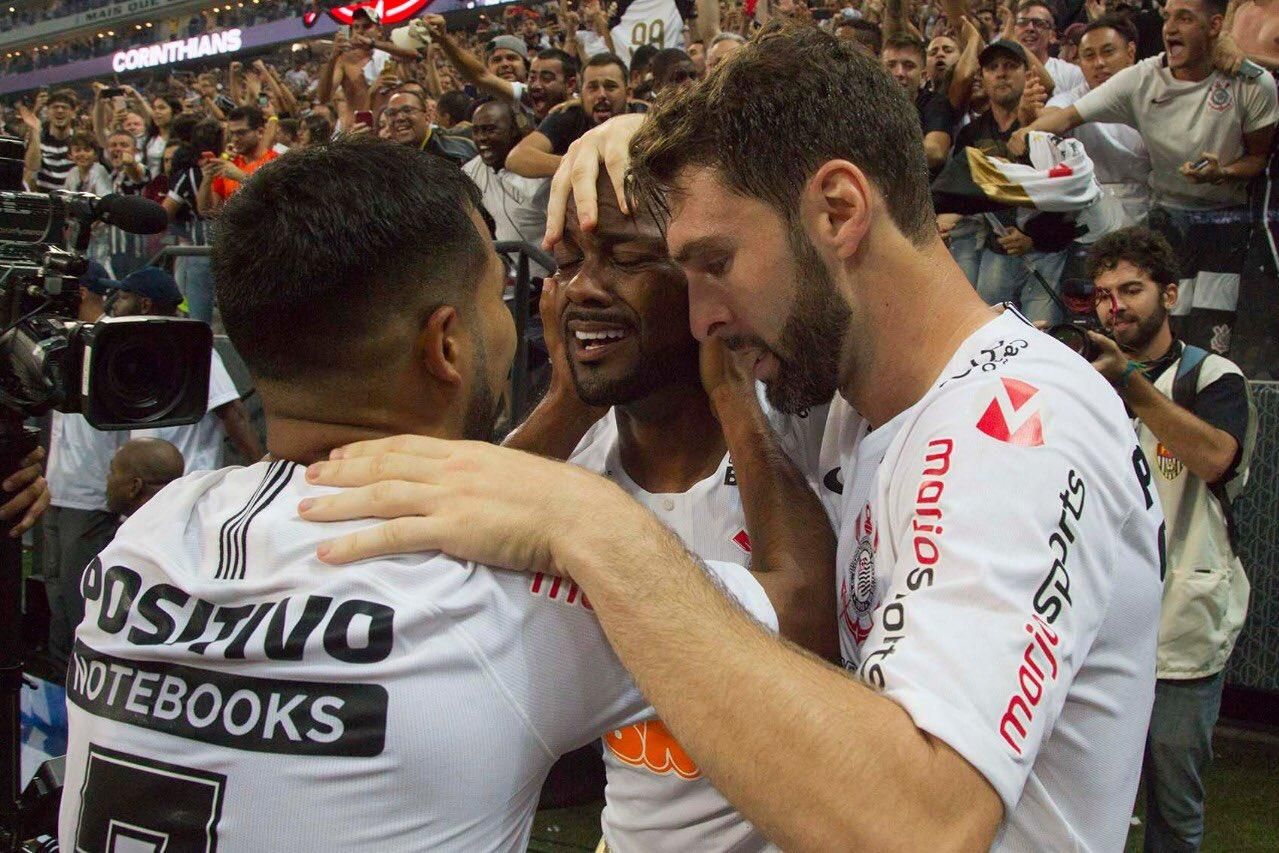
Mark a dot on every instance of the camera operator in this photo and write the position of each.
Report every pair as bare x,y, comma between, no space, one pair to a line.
153,292
78,523
1196,424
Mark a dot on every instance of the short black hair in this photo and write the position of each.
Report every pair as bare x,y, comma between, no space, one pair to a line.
1111,21
309,273
754,123
183,126
1216,7
640,58
605,59
567,62
454,104
665,59
1147,250
906,41
250,115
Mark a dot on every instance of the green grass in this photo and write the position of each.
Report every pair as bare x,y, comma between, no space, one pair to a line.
1242,812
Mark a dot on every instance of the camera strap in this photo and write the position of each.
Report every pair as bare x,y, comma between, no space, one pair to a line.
1185,390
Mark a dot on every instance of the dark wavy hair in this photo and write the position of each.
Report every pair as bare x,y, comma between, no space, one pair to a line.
1146,250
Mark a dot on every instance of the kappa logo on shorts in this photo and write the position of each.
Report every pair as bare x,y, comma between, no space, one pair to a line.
650,745
1014,415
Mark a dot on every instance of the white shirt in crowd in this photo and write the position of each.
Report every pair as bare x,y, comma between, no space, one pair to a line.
79,459
999,578
655,22
1065,75
657,799
517,204
377,61
201,443
1181,120
268,700
1119,156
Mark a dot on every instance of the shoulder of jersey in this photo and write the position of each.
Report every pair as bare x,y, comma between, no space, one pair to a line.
1024,390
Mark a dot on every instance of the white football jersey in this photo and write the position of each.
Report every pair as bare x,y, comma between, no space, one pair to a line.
79,461
656,798
1000,565
229,690
655,22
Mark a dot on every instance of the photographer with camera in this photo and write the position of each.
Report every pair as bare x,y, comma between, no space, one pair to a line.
152,292
1196,425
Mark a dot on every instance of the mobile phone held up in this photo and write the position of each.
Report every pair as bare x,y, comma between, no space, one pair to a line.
112,92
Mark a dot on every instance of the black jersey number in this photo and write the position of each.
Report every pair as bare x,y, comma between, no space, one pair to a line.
132,803
648,32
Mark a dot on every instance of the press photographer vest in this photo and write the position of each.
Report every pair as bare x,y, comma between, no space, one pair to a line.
1205,595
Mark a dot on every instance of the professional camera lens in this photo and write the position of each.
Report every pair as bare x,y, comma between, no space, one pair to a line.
1076,337
151,371
145,377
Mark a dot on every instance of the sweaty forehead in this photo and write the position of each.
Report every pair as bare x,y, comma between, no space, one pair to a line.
613,224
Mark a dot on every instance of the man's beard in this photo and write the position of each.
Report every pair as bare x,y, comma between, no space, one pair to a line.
653,371
481,414
808,351
1145,330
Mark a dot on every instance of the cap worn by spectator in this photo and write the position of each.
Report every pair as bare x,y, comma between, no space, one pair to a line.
1006,46
511,43
150,283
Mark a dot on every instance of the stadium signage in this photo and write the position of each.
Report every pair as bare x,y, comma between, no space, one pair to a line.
118,10
211,44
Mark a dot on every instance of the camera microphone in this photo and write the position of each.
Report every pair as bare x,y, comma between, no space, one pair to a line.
131,213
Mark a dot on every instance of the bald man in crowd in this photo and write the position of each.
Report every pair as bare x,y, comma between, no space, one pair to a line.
139,470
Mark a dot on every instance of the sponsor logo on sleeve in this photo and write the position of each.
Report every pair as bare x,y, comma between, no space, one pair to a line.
743,540
926,531
650,745
1015,415
1038,669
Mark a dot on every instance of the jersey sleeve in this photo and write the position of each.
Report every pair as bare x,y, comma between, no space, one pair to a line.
1004,554
557,665
1112,101
1261,104
221,389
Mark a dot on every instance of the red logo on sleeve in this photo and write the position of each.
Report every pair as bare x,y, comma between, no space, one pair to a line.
1014,415
743,540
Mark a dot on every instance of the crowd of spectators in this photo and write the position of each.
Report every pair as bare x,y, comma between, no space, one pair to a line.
1175,118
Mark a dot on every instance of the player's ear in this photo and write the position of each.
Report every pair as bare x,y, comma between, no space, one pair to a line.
440,345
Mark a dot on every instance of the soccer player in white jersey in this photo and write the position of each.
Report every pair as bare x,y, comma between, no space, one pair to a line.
226,687
999,538
616,319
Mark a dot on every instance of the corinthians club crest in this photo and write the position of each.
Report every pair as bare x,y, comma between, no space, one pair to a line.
857,588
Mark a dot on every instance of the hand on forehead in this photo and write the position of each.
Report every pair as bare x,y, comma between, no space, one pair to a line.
611,219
